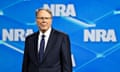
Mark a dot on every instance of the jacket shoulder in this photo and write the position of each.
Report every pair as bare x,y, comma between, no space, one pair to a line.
60,33
33,35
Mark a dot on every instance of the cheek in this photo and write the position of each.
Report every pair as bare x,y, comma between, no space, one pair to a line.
38,20
50,22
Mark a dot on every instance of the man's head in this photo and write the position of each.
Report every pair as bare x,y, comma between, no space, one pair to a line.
44,19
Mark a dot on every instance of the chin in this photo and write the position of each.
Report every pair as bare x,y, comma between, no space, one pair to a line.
43,30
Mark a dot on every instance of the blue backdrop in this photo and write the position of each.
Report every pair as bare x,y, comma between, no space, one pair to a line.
93,27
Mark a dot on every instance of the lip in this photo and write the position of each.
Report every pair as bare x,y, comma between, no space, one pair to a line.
42,24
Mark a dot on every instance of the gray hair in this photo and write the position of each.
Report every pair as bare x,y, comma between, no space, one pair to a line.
47,10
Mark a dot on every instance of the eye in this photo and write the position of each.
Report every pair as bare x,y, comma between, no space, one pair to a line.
43,17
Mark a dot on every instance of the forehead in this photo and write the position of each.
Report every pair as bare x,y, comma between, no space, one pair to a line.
43,13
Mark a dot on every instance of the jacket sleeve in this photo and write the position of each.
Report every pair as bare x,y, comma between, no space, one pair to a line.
25,57
66,55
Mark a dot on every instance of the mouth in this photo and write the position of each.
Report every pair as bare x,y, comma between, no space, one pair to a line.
42,24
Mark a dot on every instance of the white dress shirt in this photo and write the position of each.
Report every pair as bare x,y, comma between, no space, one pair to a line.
47,34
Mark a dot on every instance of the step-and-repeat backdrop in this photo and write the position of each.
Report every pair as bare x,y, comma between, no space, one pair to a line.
92,25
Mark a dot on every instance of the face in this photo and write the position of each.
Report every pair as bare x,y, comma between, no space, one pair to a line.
43,20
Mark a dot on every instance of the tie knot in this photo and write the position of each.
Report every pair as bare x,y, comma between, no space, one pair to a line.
43,36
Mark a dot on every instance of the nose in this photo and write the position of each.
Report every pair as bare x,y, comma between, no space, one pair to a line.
44,19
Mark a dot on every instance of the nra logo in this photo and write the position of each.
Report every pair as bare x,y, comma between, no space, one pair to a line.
61,9
100,35
15,34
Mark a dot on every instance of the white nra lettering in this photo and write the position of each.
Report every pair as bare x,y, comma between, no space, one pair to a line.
61,9
15,34
98,35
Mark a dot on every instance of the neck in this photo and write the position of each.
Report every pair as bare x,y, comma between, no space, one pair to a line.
43,31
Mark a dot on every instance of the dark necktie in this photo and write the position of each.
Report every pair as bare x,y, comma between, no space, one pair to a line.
41,51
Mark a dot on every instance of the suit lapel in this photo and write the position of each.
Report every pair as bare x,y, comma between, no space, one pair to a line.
50,43
35,46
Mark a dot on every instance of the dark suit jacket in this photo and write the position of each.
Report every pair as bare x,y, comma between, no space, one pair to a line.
57,56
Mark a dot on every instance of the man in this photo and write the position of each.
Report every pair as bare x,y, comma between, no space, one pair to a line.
47,50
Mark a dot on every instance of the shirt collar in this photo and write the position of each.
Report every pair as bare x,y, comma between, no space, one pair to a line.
47,33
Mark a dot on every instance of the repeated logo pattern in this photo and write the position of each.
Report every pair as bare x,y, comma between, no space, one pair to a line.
101,18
